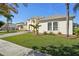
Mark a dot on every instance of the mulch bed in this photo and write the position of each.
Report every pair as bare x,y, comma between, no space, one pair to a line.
70,37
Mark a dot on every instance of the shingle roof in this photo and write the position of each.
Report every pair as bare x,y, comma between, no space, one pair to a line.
51,18
56,17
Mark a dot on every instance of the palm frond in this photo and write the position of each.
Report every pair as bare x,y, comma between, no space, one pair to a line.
33,26
37,25
12,8
6,8
7,15
15,4
76,7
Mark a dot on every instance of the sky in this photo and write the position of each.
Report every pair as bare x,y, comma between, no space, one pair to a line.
41,9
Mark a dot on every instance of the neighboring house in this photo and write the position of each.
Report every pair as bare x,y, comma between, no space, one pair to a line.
53,24
21,26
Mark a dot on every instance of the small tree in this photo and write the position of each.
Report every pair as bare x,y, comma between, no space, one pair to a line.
1,23
36,27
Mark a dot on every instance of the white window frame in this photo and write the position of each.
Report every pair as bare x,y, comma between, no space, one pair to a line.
49,25
55,26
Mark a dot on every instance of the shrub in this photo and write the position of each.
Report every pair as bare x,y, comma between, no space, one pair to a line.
51,33
34,47
59,33
76,31
45,33
43,50
60,50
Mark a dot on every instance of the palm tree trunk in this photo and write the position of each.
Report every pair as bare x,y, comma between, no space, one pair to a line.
36,31
67,18
7,26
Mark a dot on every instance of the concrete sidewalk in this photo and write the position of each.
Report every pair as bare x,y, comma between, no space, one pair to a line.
11,49
12,34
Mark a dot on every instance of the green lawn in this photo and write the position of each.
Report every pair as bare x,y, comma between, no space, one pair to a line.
51,44
30,40
3,33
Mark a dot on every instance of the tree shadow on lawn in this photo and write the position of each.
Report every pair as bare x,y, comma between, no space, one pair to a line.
59,50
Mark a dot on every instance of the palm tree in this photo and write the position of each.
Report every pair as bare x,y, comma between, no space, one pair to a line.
67,18
7,8
9,21
7,16
36,27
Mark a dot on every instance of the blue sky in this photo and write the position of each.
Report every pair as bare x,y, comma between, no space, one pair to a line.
41,9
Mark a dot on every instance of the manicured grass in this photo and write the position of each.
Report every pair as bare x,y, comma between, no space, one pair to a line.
3,33
30,40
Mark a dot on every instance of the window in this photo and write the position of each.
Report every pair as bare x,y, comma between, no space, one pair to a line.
49,26
55,25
